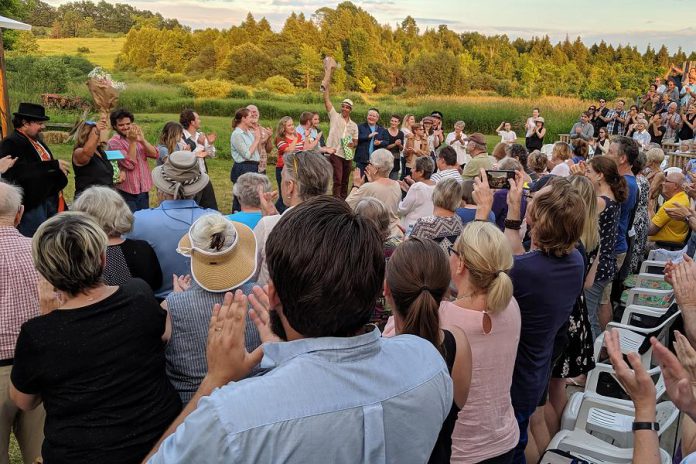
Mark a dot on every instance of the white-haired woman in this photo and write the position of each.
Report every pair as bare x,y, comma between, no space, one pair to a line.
444,226
96,360
246,190
125,258
377,184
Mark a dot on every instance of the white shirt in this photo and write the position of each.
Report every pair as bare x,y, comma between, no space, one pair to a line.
562,170
460,147
447,174
418,203
507,136
531,125
204,147
261,232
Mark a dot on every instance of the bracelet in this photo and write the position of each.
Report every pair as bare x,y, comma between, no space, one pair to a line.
646,426
513,224
688,218
480,220
354,187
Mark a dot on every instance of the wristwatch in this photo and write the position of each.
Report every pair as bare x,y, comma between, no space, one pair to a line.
646,426
688,218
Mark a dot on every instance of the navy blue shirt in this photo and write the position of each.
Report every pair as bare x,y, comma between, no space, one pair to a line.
626,208
546,288
468,215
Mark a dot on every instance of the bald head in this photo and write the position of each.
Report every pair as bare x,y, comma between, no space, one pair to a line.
10,203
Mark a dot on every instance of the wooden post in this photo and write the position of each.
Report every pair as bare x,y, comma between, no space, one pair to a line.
4,96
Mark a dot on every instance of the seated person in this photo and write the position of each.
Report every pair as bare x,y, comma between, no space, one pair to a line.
663,228
246,190
467,210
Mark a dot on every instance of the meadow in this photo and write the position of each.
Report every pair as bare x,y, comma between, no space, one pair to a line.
103,51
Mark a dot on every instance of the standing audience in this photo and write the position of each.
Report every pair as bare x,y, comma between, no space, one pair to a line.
89,160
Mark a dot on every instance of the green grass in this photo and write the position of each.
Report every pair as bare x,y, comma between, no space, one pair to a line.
103,51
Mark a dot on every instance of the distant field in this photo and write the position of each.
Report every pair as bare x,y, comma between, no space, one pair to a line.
103,51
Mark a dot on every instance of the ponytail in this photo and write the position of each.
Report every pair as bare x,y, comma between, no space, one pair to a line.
499,293
423,318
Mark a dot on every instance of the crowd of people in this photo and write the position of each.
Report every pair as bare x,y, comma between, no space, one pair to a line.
392,301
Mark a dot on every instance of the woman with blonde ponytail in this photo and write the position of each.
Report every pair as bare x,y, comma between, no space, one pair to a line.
416,280
486,430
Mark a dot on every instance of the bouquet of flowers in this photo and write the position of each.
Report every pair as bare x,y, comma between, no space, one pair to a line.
104,92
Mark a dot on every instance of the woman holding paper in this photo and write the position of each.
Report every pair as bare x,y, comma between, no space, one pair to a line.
90,162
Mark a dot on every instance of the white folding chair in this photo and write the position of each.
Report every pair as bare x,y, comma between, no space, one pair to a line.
630,340
584,446
661,332
650,297
653,267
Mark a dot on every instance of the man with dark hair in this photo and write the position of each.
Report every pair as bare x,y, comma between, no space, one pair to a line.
129,140
346,406
583,129
202,145
616,119
447,167
371,136
41,177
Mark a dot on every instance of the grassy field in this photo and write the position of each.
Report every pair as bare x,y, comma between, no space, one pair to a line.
103,51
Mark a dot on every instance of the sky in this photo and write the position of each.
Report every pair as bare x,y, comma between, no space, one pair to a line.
638,22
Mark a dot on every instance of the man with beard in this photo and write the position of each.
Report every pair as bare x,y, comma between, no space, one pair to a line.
41,177
328,392
129,140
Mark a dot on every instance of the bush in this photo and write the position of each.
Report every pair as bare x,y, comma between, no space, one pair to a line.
237,91
164,77
263,94
205,88
356,97
83,50
310,97
278,84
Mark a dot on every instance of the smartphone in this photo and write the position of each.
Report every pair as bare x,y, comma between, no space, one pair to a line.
498,179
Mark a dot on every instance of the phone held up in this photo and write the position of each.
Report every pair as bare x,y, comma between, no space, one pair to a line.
498,179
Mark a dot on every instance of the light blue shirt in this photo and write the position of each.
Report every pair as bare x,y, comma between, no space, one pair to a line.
312,132
250,218
336,400
240,143
162,228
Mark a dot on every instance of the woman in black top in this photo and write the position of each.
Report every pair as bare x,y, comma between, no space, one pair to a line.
686,132
394,143
417,277
89,160
125,258
536,140
95,357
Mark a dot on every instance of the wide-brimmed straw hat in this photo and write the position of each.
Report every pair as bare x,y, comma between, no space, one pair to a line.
228,267
180,175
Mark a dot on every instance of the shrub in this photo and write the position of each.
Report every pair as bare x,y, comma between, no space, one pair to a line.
263,94
164,77
309,96
205,88
237,91
278,84
83,50
356,97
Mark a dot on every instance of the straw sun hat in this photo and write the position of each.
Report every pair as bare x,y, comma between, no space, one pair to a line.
223,252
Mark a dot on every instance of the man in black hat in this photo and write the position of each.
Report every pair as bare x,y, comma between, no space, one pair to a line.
41,177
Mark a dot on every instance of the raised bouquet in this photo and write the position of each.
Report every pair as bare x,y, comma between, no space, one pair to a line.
104,92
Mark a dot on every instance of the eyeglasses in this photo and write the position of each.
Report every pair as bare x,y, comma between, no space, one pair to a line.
452,251
90,123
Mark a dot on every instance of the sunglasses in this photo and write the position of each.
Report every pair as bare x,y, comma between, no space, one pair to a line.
90,123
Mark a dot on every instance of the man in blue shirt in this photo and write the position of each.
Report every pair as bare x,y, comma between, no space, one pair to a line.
337,391
371,136
178,180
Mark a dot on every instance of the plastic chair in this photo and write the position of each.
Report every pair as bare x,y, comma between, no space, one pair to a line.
653,267
653,298
611,421
661,331
585,446
631,341
603,385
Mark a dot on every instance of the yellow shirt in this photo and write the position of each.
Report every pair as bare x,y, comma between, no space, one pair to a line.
670,230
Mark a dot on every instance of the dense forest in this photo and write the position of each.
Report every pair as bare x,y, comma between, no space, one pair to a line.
374,57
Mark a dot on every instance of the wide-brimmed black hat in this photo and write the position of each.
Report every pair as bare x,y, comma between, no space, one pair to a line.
32,112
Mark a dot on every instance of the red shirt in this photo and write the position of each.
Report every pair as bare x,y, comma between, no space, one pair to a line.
283,145
138,178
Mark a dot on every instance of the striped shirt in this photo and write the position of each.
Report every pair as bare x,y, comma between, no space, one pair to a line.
19,296
138,178
447,174
190,313
620,128
283,145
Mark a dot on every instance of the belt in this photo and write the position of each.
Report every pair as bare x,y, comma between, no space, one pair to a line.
247,162
6,362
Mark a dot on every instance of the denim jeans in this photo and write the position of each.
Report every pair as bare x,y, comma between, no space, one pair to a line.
593,298
136,202
523,422
237,170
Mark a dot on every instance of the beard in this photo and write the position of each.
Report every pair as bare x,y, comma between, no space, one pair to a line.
277,325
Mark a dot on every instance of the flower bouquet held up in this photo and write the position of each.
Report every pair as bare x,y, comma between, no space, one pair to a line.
329,65
104,92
